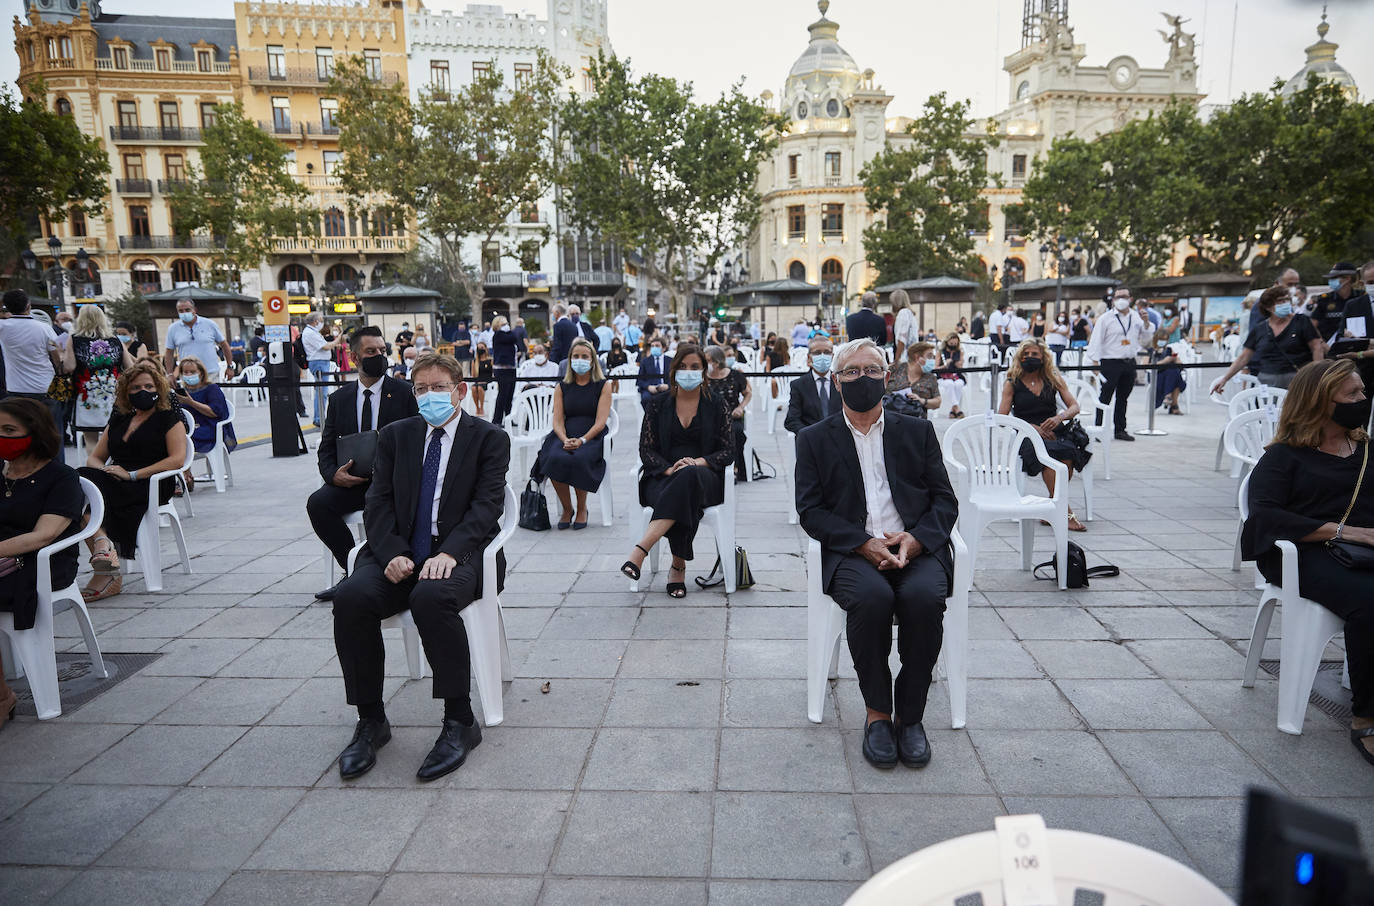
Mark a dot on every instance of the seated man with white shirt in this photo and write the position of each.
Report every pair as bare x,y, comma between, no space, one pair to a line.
871,487
538,366
813,396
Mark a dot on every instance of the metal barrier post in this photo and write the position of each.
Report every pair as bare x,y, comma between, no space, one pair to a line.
1150,430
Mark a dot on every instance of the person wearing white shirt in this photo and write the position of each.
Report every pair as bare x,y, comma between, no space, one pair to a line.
538,366
621,323
1116,340
31,353
1018,328
999,327
905,331
317,355
1057,337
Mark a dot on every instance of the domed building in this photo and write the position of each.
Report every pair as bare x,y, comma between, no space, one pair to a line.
1321,62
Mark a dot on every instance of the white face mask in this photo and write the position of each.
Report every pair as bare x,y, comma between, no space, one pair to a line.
1122,303
540,359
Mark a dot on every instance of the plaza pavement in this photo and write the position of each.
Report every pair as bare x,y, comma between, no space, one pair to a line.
670,760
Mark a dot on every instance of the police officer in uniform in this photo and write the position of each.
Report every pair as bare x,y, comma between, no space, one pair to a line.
1328,312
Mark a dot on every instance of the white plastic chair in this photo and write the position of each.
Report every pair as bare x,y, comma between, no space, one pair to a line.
1259,396
531,421
1090,407
774,407
247,382
798,356
1245,438
1230,347
604,493
825,621
1307,628
217,459
486,627
626,375
354,521
148,544
789,467
719,519
983,456
33,652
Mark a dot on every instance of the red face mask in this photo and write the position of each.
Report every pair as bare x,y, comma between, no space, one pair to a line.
14,447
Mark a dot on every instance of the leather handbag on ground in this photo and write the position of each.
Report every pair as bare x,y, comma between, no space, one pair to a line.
744,578
1078,570
534,509
362,449
1351,554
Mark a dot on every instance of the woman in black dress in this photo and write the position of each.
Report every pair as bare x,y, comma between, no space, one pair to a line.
1314,484
1279,345
685,446
42,502
731,386
1029,394
573,454
778,355
146,435
616,357
485,375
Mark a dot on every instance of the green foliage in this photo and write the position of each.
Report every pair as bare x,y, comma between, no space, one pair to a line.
132,307
463,160
49,167
927,197
430,268
656,171
241,194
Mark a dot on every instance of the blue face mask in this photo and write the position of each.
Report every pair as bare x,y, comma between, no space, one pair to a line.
124,338
580,366
436,408
1334,283
656,351
822,363
190,380
688,380
1283,309
927,366
186,316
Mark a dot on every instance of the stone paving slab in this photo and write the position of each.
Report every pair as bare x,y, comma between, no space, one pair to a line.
655,751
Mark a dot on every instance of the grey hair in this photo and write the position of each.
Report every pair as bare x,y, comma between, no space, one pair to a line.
816,341
899,298
846,351
574,310
559,308
870,299
716,356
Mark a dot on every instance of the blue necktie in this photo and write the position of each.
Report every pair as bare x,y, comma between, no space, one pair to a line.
420,534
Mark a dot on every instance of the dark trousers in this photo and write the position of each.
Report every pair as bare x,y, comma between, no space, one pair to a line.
327,508
367,597
1118,379
741,467
871,598
505,393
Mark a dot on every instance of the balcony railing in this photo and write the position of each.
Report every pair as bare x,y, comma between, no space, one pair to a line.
150,66
320,128
359,244
278,127
134,186
593,278
304,76
70,245
174,185
188,243
154,134
504,278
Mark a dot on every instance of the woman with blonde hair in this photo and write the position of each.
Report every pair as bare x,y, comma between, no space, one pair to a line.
146,435
573,454
1031,393
94,357
1314,486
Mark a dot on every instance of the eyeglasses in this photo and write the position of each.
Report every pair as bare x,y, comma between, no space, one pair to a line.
422,389
868,371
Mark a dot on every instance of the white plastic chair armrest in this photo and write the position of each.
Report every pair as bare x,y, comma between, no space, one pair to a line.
961,477
1289,550
813,557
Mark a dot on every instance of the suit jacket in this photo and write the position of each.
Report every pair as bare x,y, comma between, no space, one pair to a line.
717,437
804,404
651,371
564,332
589,332
471,495
392,400
830,491
866,323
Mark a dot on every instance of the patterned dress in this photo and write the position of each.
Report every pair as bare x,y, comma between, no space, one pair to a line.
98,365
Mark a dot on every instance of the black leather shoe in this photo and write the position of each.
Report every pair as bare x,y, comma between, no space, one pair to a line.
880,744
1125,435
450,750
361,754
912,746
326,594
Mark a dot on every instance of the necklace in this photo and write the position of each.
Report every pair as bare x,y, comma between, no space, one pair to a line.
12,482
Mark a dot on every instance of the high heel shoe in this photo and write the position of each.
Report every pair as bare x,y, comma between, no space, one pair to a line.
678,590
629,569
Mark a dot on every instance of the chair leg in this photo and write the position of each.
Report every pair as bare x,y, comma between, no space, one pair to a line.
149,552
1028,544
638,524
1235,558
329,567
820,651
507,672
484,643
215,460
415,660
1061,541
1345,675
38,653
1087,476
180,538
1221,451
955,653
607,502
83,619
1107,461
1259,633
1300,654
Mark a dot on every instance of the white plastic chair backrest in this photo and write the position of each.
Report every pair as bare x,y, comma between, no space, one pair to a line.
798,357
1243,498
510,515
535,415
1231,345
1238,384
96,502
1085,393
189,421
1261,397
624,371
252,374
785,378
990,448
1247,435
612,429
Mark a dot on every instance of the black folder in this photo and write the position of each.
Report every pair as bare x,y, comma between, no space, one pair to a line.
362,449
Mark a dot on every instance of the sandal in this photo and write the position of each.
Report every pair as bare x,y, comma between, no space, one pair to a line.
1075,525
103,585
104,560
1356,737
629,569
678,590
1174,410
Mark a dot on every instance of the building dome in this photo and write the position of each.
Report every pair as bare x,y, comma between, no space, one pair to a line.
823,59
1321,62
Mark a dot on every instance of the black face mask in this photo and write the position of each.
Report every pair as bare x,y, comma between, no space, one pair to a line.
862,393
1032,365
1352,415
374,366
143,400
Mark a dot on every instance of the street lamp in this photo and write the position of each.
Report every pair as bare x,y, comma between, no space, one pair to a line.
1060,253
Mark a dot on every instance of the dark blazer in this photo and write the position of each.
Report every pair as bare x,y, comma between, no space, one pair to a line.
589,332
651,371
1359,307
866,323
830,490
717,437
392,399
471,496
804,403
564,332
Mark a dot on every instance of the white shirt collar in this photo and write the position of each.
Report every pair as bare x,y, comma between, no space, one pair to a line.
877,426
451,429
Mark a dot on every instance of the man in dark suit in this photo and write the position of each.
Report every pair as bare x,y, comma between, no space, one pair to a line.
653,370
584,327
370,404
866,322
871,487
436,501
1360,309
564,332
813,396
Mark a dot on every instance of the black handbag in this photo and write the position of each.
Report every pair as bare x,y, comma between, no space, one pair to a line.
534,509
904,405
1078,570
1352,554
1074,432
744,577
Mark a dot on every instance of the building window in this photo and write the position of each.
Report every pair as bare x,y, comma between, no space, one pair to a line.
832,165
208,117
1012,217
145,276
796,271
77,222
276,61
297,280
832,220
289,160
832,271
133,166
138,220
59,48
1018,166
128,115
491,258
281,114
329,114
164,59
203,60
524,74
381,222
120,56
185,272
832,108
480,70
796,221
169,118
372,64
793,166
438,76
587,85
324,63
332,160
176,167
333,222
